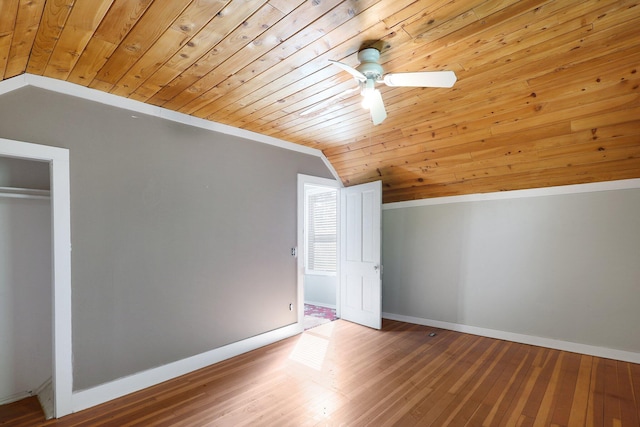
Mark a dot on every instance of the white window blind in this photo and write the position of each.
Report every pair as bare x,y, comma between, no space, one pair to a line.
321,231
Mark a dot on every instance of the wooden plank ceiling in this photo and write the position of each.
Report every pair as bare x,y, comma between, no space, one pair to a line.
547,91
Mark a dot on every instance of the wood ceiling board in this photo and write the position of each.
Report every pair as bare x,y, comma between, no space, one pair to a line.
78,30
115,26
7,30
156,20
253,60
52,24
205,51
230,31
26,24
542,84
180,34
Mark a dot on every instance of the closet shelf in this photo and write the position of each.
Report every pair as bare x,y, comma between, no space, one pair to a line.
24,193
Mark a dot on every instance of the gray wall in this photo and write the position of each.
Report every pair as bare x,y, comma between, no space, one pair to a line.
563,267
181,236
321,290
23,173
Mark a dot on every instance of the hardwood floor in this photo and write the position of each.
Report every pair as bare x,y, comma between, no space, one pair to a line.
342,374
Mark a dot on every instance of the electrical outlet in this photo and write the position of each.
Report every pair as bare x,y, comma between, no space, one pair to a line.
294,252
290,307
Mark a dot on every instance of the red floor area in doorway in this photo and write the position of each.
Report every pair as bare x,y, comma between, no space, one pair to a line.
315,315
322,312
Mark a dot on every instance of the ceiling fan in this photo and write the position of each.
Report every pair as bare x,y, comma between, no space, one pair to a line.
370,72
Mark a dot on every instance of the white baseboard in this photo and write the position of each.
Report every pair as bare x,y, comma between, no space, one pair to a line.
24,394
608,353
105,392
45,397
15,397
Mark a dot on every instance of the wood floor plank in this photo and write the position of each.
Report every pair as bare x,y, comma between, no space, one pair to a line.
345,374
467,406
566,389
489,401
612,413
579,405
629,414
595,409
446,391
634,370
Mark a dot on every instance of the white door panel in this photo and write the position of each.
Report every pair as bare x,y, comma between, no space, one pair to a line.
361,284
370,247
369,299
353,231
353,288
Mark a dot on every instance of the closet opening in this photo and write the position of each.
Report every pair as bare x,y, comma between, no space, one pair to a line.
26,290
24,171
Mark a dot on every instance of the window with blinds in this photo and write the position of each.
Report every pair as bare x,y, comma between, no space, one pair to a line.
321,230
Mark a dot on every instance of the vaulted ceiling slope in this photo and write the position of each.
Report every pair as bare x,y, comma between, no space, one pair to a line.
547,91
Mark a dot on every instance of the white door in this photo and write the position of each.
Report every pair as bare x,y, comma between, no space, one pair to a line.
360,269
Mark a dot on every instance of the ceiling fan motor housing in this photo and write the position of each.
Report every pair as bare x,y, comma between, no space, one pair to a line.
369,63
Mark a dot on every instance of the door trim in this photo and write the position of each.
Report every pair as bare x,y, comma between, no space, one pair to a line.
58,159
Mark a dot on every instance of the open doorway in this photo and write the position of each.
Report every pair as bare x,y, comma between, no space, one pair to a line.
318,201
358,270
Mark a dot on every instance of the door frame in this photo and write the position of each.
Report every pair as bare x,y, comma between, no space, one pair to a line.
58,159
300,254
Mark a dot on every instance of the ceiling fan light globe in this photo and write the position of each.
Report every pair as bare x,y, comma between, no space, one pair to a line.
368,93
366,102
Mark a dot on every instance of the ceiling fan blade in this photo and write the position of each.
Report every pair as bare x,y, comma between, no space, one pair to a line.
355,73
421,79
376,107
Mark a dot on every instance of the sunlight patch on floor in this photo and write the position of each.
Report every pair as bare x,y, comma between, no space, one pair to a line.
311,348
325,330
310,351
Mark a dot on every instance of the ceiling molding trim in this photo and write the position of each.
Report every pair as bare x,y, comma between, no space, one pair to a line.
624,184
112,100
12,84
